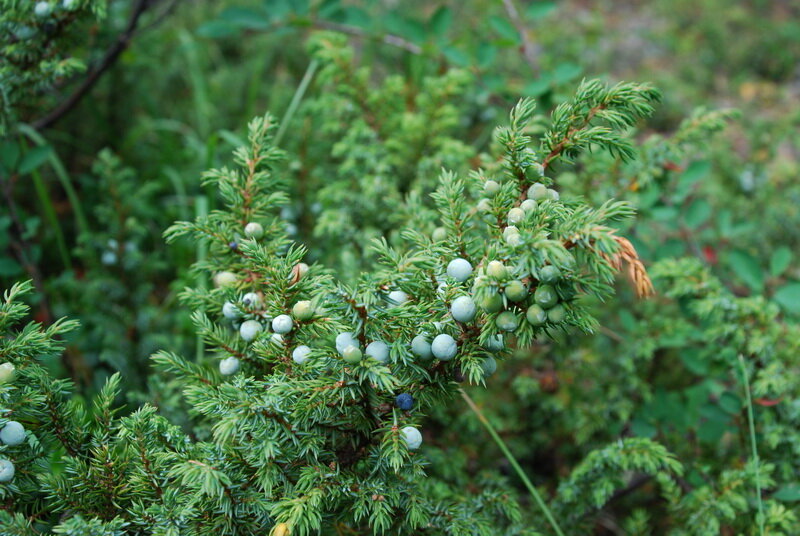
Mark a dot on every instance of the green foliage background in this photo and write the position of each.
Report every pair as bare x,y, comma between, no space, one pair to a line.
396,91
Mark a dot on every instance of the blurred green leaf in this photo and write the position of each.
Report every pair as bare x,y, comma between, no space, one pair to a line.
788,493
247,18
730,402
505,29
456,56
565,72
486,54
538,10
780,261
217,29
747,268
788,296
441,21
34,158
9,155
697,213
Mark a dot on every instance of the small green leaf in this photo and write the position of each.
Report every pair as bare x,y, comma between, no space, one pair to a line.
456,56
538,10
788,493
565,72
747,268
780,261
441,21
504,28
730,402
217,29
34,158
788,297
698,213
486,54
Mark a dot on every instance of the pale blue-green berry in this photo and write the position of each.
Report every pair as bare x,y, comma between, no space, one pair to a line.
496,269
463,309
230,311
12,434
514,239
109,258
516,291
534,170
557,314
511,229
303,310
552,195
489,366
459,269
69,4
545,296
507,321
343,340
537,191
224,279
300,354
6,470
515,216
491,187
42,9
492,303
352,354
421,347
439,234
549,274
529,205
250,329
412,437
229,366
282,324
7,373
378,350
252,300
444,347
254,230
484,205
276,338
495,343
397,298
536,316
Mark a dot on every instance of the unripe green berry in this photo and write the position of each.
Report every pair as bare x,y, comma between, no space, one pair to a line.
552,195
536,316
459,269
252,300
489,366
412,437
254,230
549,274
421,347
6,470
439,234
516,291
463,309
557,314
229,366
352,354
545,296
507,321
511,229
343,340
484,205
495,343
224,279
42,9
298,271
537,191
303,310
249,330
515,216
514,240
282,324
379,351
492,303
12,434
496,269
529,205
534,171
300,354
491,187
7,373
444,347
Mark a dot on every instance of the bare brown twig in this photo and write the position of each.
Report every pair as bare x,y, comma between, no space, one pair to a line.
528,48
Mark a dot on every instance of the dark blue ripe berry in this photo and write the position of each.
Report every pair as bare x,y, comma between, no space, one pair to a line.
233,245
404,401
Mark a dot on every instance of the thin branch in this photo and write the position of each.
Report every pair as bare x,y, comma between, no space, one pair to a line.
110,57
528,48
389,39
